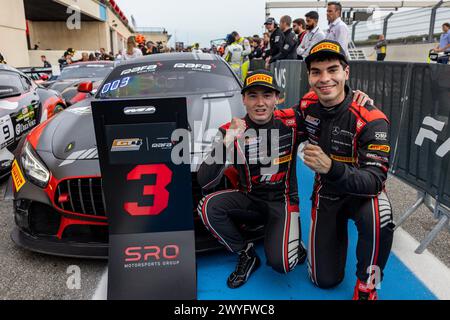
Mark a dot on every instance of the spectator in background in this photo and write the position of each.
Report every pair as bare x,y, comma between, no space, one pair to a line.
257,51
337,29
276,42
2,59
92,57
84,57
265,45
196,48
299,27
444,44
149,48
380,48
314,34
45,62
234,55
132,51
105,56
288,49
65,60
247,49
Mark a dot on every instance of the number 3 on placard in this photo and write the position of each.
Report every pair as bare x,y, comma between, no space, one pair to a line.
158,190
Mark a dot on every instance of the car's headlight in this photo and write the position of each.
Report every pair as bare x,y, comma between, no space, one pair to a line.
34,169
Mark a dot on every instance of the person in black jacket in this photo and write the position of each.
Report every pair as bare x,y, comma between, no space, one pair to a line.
276,40
289,47
349,150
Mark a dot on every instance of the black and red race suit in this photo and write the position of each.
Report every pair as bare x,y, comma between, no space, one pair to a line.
264,160
356,138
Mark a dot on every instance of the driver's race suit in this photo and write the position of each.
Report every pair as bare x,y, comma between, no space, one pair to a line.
356,138
270,195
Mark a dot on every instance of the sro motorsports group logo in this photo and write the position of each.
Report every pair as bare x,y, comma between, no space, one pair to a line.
151,256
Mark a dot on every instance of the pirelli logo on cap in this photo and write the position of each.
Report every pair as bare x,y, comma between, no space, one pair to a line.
326,46
382,148
259,78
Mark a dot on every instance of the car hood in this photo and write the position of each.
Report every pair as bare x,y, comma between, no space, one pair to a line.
71,134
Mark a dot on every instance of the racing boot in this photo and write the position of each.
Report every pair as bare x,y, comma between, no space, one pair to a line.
247,264
364,292
302,253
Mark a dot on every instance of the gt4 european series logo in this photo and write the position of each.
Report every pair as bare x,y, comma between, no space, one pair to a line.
120,145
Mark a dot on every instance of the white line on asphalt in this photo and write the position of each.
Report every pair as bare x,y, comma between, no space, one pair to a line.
101,290
426,267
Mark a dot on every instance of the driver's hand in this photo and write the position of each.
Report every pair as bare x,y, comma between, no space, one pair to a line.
237,128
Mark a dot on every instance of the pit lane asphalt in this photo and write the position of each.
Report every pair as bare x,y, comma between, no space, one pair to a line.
28,275
32,276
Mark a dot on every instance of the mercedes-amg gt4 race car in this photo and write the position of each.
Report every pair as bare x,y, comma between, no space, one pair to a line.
23,105
59,205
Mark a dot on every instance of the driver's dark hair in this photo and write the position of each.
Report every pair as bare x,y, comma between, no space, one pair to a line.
342,62
446,24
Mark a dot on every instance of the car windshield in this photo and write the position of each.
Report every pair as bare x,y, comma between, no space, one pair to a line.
10,84
168,77
85,71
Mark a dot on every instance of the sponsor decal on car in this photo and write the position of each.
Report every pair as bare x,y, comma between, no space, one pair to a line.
17,176
20,128
120,145
141,69
382,148
6,131
115,85
129,111
85,154
27,113
193,66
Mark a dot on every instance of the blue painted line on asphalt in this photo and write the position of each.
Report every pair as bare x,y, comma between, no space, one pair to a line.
266,284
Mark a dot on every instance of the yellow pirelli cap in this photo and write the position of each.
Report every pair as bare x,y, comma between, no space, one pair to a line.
326,48
260,78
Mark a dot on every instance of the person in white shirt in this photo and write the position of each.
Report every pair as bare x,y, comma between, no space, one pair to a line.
132,52
196,48
314,34
337,29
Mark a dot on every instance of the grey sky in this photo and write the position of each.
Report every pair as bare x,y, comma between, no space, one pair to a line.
202,20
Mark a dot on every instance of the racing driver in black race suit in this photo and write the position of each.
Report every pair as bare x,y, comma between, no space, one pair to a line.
261,149
349,151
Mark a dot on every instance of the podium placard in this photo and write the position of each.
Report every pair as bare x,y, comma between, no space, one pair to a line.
148,199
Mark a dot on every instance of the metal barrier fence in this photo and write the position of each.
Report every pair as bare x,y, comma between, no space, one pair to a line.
421,24
416,99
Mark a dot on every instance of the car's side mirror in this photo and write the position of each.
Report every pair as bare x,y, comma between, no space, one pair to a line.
85,87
